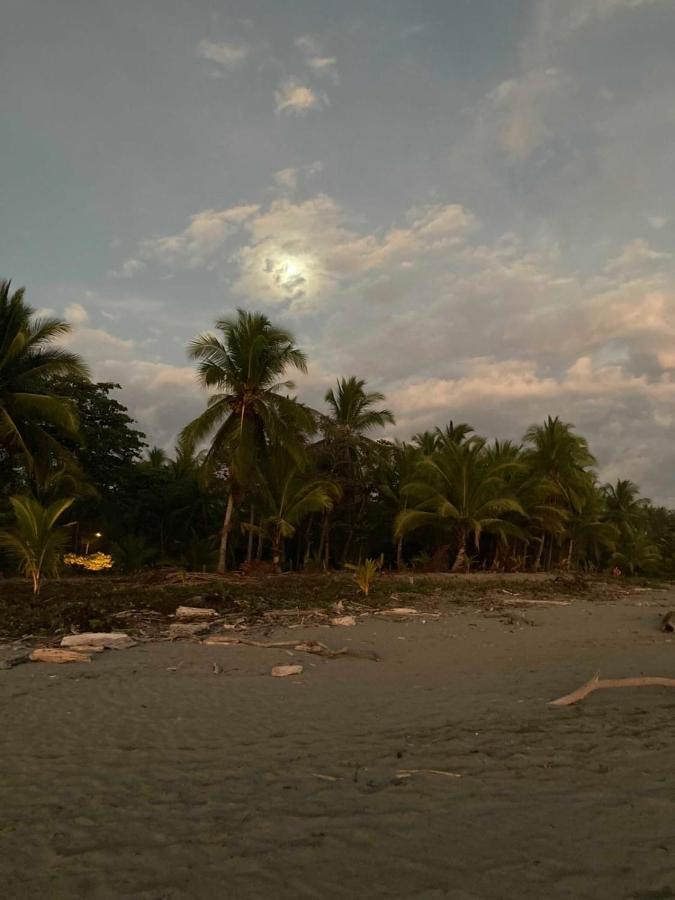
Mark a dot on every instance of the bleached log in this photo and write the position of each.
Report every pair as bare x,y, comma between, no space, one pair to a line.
597,684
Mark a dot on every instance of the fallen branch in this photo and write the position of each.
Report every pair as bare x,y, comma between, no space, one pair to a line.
315,647
597,684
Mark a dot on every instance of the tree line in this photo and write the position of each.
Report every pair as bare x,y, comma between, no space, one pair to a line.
259,479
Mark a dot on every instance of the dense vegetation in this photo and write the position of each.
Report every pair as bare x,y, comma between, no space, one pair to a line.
260,478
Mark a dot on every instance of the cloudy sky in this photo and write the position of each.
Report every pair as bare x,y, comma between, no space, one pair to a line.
469,203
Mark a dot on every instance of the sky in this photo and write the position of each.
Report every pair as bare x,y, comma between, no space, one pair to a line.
468,203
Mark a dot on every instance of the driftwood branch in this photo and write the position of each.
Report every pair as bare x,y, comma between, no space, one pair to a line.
597,684
315,647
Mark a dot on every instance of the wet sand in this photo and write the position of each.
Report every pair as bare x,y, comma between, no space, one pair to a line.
146,775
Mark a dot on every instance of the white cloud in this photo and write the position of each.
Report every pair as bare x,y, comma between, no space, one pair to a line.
76,313
295,98
199,243
229,56
634,256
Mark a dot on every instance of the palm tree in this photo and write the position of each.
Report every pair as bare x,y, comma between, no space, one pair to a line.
288,492
453,434
35,541
461,490
397,470
347,445
563,458
28,361
351,408
246,367
623,508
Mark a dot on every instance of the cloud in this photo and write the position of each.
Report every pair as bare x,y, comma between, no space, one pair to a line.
295,98
320,64
635,256
519,110
288,178
229,56
584,12
76,313
198,244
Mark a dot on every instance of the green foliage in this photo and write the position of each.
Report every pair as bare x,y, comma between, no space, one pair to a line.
365,573
35,541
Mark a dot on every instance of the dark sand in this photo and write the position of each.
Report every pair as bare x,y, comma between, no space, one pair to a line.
124,779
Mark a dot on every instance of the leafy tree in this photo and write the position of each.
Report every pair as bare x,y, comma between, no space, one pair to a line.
35,541
246,367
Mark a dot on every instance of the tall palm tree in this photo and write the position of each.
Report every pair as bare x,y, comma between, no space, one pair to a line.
460,489
246,367
29,407
563,458
353,415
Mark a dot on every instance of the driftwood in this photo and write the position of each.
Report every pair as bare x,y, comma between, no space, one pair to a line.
597,684
285,671
191,613
315,647
187,629
116,640
54,655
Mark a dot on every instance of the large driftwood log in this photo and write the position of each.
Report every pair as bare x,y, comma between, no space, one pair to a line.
597,684
55,655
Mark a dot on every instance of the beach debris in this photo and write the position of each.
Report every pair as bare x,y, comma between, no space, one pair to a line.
285,671
344,621
187,629
55,655
315,647
217,670
325,777
408,773
406,612
668,622
596,684
113,640
10,661
339,607
195,612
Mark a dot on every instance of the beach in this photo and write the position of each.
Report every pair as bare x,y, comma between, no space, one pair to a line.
179,770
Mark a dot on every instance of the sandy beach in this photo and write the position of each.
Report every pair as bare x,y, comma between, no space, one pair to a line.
438,771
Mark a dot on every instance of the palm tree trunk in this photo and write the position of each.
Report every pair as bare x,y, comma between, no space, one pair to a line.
537,561
569,553
399,553
222,554
460,559
327,545
249,547
276,550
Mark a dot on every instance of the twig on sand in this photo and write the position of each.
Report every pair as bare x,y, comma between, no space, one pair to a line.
596,684
408,773
315,647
